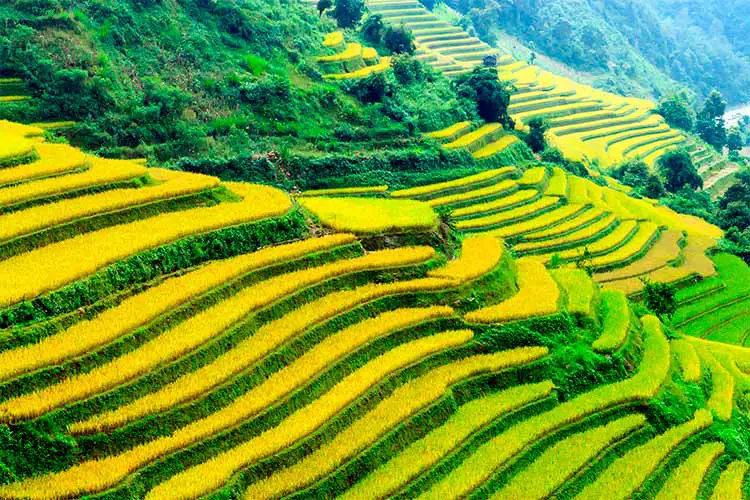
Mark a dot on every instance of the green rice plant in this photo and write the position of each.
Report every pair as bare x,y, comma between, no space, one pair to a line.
609,243
627,473
615,321
494,454
561,462
533,176
580,290
721,400
685,481
372,215
731,482
509,216
426,452
404,402
688,359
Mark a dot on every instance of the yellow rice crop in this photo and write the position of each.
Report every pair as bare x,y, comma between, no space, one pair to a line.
492,455
496,189
369,53
102,172
451,131
198,330
381,66
290,377
13,129
686,479
138,310
172,184
28,275
426,452
562,108
548,219
558,183
556,230
333,39
54,159
508,215
516,198
664,251
579,289
615,321
561,462
538,295
585,233
479,256
627,473
730,482
53,125
688,360
404,402
721,400
605,244
14,98
352,50
353,190
372,215
578,190
443,186
97,475
645,235
533,176
473,137
495,147
14,147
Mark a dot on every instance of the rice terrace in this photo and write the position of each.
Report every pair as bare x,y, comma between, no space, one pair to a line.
365,249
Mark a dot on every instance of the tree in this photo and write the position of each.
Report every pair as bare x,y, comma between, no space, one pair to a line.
372,29
734,139
710,125
677,111
660,298
323,5
536,140
399,40
678,170
492,97
348,12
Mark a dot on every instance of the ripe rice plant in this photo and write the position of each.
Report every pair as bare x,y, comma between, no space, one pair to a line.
499,189
615,321
546,220
580,291
431,190
148,305
627,473
97,475
575,238
404,402
426,452
688,359
479,256
557,230
53,159
31,274
493,454
290,377
345,191
509,216
450,133
14,130
538,295
641,241
102,172
353,50
561,462
372,215
730,482
478,136
685,481
666,250
613,240
384,64
504,203
333,39
533,176
721,400
173,184
495,147
198,330
14,149
558,183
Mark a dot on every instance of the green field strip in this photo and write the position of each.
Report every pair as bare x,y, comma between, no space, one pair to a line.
731,481
494,454
685,480
428,39
563,460
604,113
560,114
464,43
659,148
627,474
532,96
631,135
581,237
699,291
615,316
731,331
422,455
721,399
581,295
715,317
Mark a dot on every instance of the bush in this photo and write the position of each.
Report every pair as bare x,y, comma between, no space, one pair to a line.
372,29
678,171
348,12
491,95
399,40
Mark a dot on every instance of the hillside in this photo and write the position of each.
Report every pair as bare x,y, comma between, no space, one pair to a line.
166,335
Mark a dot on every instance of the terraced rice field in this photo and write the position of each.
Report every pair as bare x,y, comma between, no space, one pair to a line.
180,337
350,61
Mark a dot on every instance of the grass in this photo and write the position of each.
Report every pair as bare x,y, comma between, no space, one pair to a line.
31,274
495,147
627,473
538,295
372,215
721,400
561,462
615,321
200,329
685,481
425,453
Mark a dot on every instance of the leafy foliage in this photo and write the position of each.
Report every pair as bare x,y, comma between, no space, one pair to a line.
492,97
660,298
678,171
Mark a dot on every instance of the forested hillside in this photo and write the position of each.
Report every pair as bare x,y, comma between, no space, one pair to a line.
649,47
